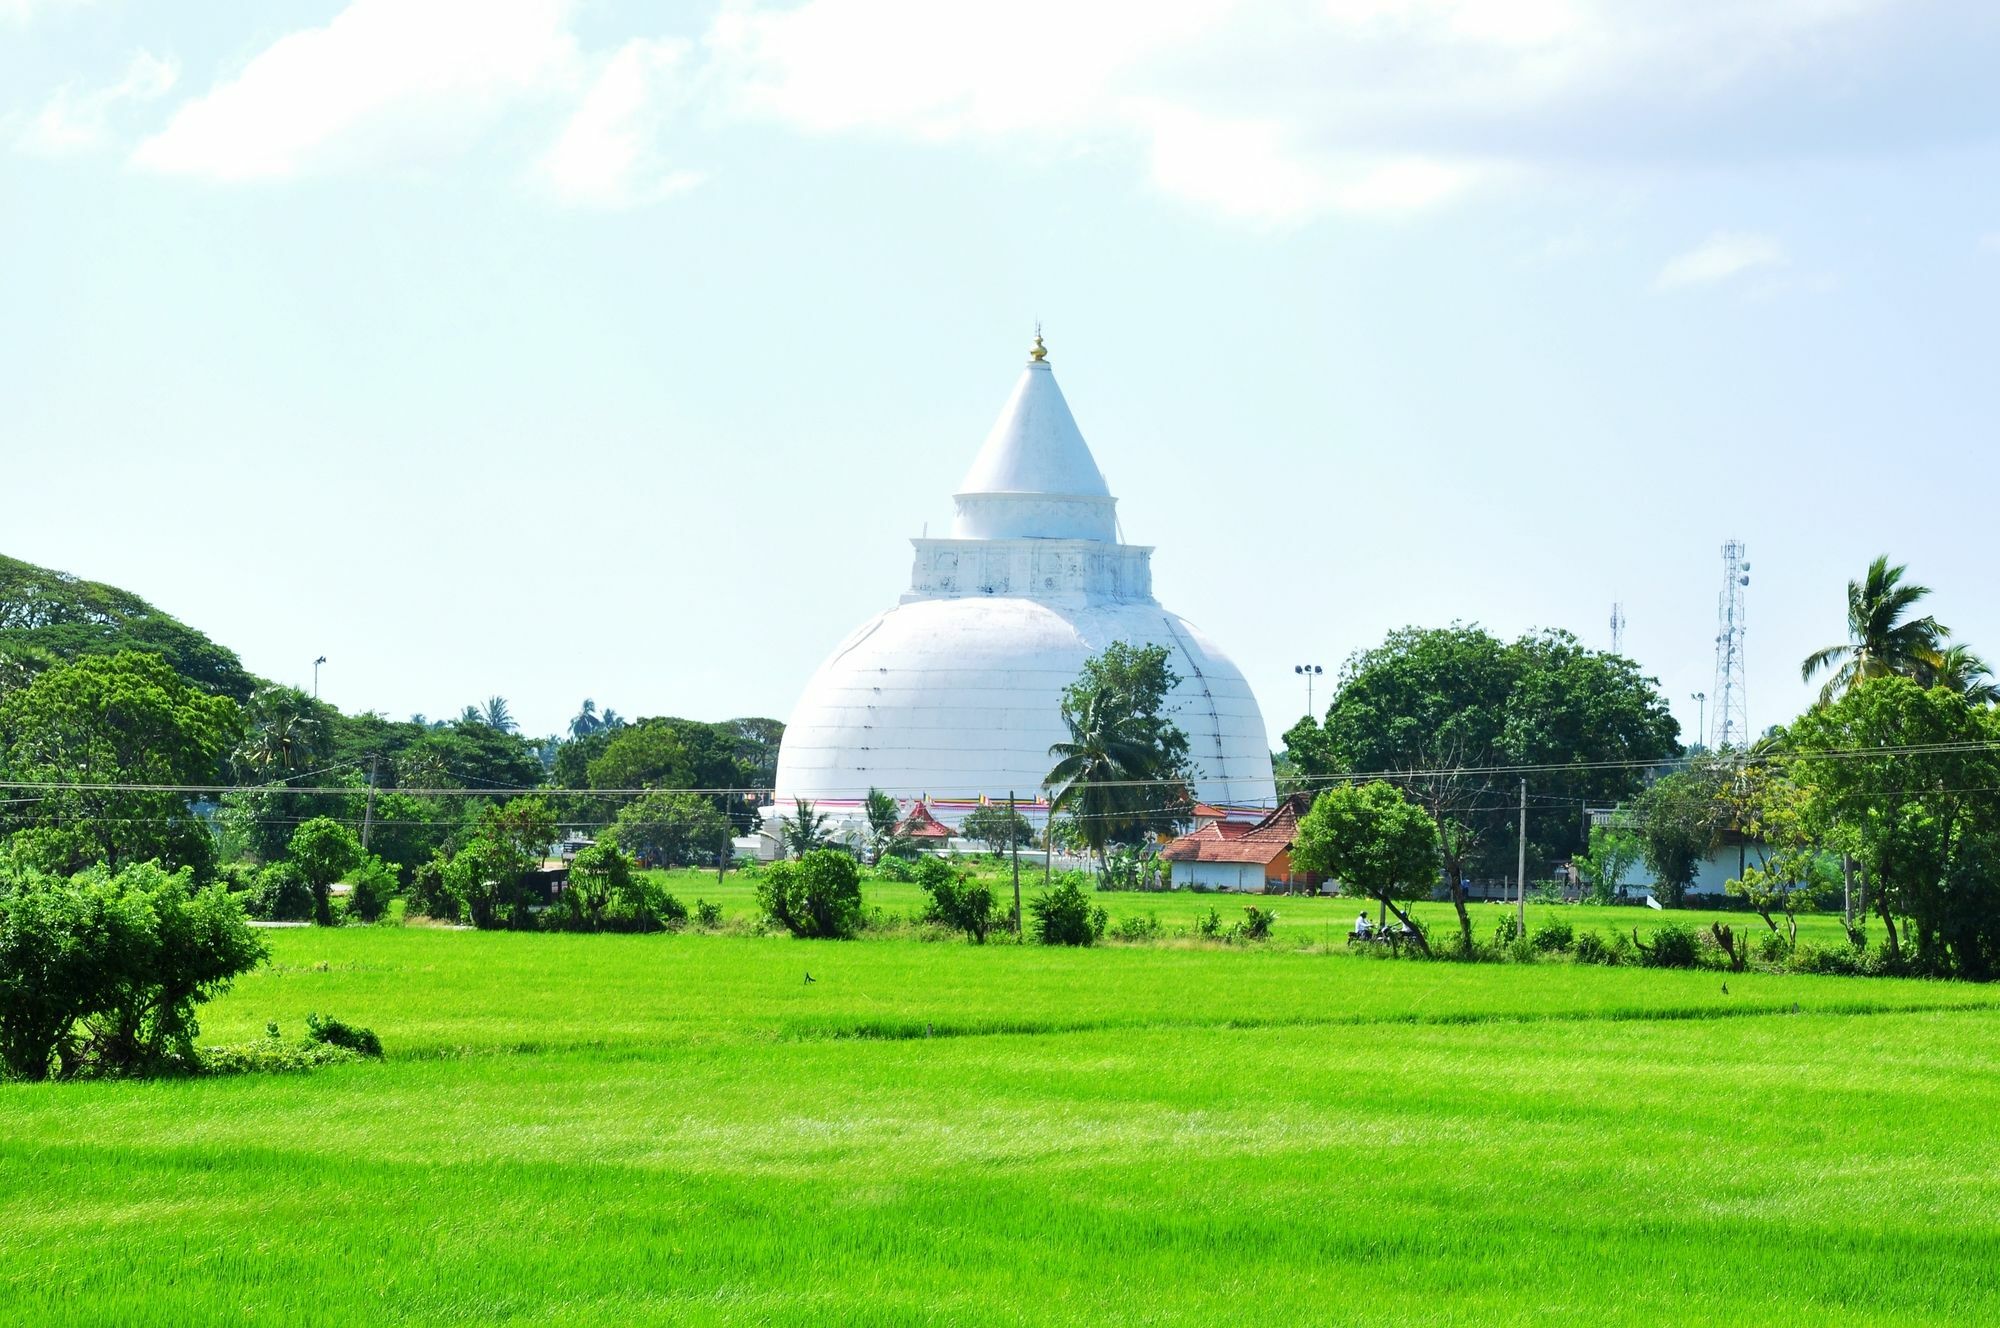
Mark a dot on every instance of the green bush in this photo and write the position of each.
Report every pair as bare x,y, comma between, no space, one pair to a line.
1589,948
334,1033
1256,925
1508,932
371,886
707,916
816,896
273,1055
100,973
1773,947
891,867
1064,914
279,893
1141,927
1673,945
1828,960
1553,936
958,900
1208,925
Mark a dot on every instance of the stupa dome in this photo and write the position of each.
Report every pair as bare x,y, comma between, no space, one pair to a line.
955,693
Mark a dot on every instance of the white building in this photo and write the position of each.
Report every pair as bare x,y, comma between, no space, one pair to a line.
955,693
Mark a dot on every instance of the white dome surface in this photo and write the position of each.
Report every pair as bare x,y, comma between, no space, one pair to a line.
956,693
954,698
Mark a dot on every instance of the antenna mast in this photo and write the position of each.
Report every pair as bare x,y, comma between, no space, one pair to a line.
1618,629
1731,724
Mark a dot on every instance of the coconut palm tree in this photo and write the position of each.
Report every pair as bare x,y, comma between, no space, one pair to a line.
1959,670
1095,775
496,715
1882,639
586,721
286,733
804,831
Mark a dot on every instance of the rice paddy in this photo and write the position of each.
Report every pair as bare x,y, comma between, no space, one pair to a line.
681,1130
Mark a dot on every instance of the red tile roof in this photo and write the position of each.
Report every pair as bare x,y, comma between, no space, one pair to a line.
1222,841
920,824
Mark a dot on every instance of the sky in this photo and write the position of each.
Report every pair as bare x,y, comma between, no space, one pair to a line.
558,349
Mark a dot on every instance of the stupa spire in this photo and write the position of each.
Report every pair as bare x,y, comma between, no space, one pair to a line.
1034,476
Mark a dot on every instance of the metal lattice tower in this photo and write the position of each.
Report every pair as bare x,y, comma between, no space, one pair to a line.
1617,629
1730,723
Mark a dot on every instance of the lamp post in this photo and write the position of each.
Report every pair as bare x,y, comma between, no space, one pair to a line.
316,663
1308,672
1701,718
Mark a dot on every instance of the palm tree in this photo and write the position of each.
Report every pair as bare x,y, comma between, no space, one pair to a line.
286,733
1096,771
1881,638
1957,669
805,831
496,716
586,721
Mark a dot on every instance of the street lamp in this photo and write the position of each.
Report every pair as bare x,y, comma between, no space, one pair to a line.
316,663
1701,721
1308,672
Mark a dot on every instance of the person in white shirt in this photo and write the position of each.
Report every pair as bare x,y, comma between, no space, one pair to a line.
1363,927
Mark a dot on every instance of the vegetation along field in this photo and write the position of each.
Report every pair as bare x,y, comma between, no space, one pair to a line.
678,1128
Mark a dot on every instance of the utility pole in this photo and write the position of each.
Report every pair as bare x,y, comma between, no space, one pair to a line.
1014,847
368,809
1521,866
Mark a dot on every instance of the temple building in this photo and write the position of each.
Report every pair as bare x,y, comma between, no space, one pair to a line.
954,695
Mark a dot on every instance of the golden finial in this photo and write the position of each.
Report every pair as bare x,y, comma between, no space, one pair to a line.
1040,352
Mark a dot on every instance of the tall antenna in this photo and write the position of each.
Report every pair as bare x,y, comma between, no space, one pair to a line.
1731,724
1617,629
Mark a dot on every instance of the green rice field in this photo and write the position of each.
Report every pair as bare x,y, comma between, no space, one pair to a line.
679,1129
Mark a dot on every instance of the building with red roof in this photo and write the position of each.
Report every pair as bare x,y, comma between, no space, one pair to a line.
1251,856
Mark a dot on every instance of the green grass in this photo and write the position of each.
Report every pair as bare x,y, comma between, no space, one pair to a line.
680,1130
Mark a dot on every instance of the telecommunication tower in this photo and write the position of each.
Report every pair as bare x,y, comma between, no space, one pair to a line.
1617,629
1730,726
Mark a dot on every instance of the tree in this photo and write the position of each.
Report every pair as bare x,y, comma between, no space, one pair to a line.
101,972
586,721
1443,712
285,733
1681,818
1793,869
1613,851
804,831
959,900
815,896
669,829
1064,915
1122,775
997,828
1958,670
324,851
494,715
883,817
1882,639
1899,777
1375,842
598,876
96,727
489,875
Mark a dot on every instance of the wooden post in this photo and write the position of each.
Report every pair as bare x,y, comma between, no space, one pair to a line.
1014,847
368,810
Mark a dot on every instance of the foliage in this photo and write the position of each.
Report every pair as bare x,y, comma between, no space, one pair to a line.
279,893
1445,706
1681,819
997,828
668,829
882,818
1064,914
958,899
1122,774
605,893
487,879
334,1033
49,618
1899,777
273,1054
1374,841
1136,927
894,868
1672,945
324,851
1613,851
804,831
1552,936
1589,947
707,916
1882,639
107,721
373,884
285,733
816,895
1256,924
1794,871
100,973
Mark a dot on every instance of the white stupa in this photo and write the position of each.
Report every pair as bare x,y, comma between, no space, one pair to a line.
954,695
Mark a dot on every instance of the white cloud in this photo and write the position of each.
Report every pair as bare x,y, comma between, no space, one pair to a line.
385,79
74,120
22,11
1274,112
608,153
1723,255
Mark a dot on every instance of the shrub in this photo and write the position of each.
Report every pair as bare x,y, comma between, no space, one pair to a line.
1064,915
1622,949
1773,947
1208,925
958,901
274,1055
1507,932
1828,960
1256,925
1521,950
892,868
361,1041
100,973
707,916
1589,948
816,895
279,893
1141,927
372,885
1673,946
1553,937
